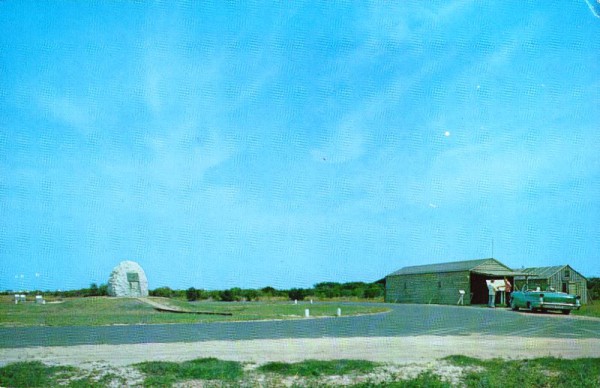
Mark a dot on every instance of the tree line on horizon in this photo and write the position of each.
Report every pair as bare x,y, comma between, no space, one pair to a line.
324,290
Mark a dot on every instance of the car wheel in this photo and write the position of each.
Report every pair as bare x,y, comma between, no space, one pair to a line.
566,312
514,306
530,307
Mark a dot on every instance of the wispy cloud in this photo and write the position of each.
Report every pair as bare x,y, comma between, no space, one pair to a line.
395,22
184,155
171,161
75,113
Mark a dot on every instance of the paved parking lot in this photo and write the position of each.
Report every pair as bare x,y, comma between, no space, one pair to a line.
401,321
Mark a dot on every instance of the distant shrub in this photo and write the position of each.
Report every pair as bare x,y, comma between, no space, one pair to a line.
250,295
297,294
163,292
373,291
227,296
268,291
191,294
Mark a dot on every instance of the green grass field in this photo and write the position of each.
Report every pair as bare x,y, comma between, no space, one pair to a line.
164,374
540,372
126,311
589,310
211,372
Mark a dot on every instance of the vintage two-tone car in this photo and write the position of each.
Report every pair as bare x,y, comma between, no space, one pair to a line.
533,300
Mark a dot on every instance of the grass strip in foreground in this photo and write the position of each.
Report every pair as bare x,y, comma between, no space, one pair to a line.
539,372
161,373
451,371
37,374
30,374
425,379
315,368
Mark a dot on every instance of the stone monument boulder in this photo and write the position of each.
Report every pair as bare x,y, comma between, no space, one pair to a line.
128,279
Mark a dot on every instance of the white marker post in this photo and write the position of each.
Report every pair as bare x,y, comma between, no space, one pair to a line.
295,301
307,313
339,312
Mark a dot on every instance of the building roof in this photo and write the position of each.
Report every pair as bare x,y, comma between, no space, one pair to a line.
459,266
544,272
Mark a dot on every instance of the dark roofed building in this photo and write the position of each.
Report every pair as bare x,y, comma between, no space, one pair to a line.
561,278
442,283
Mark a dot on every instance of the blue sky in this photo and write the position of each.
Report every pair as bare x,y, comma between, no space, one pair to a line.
248,144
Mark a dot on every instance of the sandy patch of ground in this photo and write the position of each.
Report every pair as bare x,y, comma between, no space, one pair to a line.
109,375
403,358
397,350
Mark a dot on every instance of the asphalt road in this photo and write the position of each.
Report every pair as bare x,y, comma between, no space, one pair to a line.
403,320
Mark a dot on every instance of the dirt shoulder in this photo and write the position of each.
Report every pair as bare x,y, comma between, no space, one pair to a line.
397,350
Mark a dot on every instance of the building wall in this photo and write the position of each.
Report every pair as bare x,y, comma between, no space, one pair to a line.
573,283
437,288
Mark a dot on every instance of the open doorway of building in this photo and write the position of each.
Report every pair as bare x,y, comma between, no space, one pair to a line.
479,289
